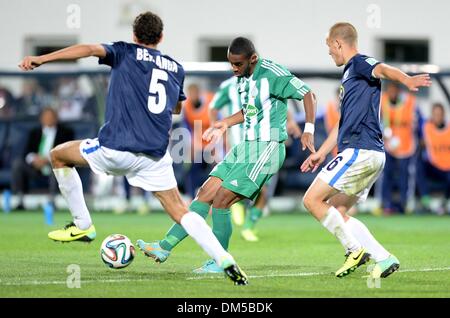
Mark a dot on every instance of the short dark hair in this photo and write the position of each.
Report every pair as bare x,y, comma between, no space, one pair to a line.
240,46
148,27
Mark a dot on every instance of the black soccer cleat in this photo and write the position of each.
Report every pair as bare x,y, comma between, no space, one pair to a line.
236,274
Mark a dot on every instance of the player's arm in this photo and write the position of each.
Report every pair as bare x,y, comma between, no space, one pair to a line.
213,115
384,71
316,159
291,126
69,53
212,134
309,101
177,109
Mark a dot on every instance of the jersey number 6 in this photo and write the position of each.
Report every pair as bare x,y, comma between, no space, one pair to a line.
334,163
157,88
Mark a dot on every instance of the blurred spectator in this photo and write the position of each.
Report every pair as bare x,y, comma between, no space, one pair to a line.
36,163
70,99
6,103
33,99
332,116
196,115
400,117
434,163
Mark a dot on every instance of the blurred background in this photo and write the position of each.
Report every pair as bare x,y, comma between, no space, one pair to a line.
407,34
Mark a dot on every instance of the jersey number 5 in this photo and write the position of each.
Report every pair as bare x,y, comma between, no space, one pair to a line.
157,89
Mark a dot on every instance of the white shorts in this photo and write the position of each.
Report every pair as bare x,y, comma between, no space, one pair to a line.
354,171
150,174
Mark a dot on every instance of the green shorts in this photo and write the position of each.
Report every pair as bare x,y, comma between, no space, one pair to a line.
249,165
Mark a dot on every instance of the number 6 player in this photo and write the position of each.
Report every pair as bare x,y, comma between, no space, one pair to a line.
348,178
146,87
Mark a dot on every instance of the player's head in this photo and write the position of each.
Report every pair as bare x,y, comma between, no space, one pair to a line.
438,115
242,56
48,117
147,29
393,90
342,37
193,92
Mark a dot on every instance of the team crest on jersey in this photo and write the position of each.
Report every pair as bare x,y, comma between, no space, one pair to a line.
250,110
341,93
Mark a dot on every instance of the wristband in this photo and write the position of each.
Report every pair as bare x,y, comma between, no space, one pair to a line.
309,128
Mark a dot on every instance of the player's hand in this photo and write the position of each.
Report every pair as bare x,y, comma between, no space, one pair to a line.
308,142
312,162
30,62
414,82
293,129
214,133
39,162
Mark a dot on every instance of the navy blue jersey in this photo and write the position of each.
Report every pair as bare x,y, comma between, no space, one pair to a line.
359,126
145,86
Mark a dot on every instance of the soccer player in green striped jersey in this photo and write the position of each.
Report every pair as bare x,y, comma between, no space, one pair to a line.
264,88
226,101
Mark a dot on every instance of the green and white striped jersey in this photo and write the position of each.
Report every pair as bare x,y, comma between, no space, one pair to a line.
264,98
228,102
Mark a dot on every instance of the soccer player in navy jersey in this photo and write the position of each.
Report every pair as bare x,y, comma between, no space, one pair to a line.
146,88
348,178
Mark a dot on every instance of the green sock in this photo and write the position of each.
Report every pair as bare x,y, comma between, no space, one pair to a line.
252,217
177,233
222,227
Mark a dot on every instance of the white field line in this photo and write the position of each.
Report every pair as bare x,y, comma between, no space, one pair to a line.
199,277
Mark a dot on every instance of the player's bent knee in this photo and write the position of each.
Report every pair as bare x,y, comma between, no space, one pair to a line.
223,199
307,202
55,157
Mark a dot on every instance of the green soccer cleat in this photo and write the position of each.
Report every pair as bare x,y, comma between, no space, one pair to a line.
353,261
385,268
249,235
209,267
153,250
71,233
234,272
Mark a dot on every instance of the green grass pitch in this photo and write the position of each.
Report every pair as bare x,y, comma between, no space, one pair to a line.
295,257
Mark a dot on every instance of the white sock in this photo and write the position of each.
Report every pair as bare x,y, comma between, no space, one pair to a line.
362,233
71,188
199,230
335,223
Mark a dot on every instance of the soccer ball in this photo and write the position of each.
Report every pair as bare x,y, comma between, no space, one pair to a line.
117,251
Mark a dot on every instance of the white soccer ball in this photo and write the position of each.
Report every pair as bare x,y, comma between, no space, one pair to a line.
117,251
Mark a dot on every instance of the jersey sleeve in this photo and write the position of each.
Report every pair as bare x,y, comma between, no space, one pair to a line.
364,66
114,54
289,87
221,98
182,75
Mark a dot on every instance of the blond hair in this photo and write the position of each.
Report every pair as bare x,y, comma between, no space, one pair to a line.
344,31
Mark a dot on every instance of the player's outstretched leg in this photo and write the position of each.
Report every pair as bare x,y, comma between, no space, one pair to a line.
315,201
63,158
198,229
160,250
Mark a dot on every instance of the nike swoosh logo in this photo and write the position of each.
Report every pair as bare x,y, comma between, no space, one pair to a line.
72,235
355,258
